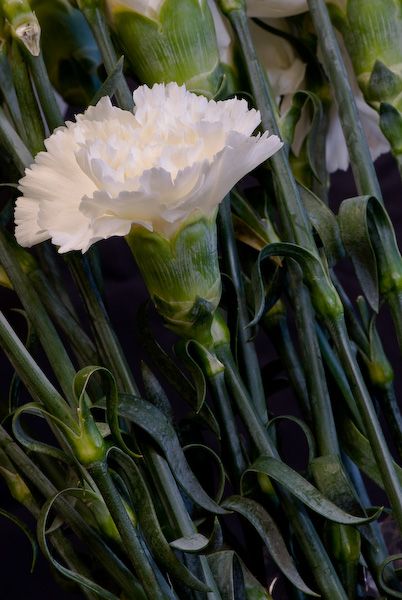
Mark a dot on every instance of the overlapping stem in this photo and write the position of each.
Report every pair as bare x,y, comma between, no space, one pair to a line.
360,159
316,555
248,353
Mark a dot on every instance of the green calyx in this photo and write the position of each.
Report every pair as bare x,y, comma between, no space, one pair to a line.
182,275
178,45
372,30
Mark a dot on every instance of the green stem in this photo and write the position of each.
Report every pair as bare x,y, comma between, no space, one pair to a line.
98,25
282,340
310,543
176,510
38,317
392,413
8,90
228,424
99,473
337,372
109,347
45,91
297,229
369,417
81,344
360,158
26,98
249,355
110,562
293,217
320,403
13,145
394,301
374,549
34,379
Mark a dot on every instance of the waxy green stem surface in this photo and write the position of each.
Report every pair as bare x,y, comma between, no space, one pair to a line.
310,543
360,158
97,22
127,530
249,355
369,418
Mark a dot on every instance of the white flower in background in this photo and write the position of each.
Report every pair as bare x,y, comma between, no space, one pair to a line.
281,8
175,158
286,74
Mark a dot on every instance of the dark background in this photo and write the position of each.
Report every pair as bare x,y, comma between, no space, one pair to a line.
125,292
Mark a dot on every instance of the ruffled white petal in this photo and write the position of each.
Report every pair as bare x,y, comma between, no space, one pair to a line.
177,155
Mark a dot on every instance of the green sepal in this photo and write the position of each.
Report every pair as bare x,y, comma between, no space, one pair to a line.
178,44
182,275
391,126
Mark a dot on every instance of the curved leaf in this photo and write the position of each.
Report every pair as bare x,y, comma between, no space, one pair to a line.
145,511
174,375
309,261
383,584
183,351
221,469
305,491
25,529
227,571
198,543
271,536
152,421
369,239
305,428
357,446
68,573
34,408
325,223
80,385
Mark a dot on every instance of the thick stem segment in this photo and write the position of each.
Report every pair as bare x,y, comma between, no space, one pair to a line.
127,531
319,562
249,355
369,418
97,23
362,165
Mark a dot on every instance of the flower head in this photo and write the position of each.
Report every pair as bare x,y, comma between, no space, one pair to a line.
174,158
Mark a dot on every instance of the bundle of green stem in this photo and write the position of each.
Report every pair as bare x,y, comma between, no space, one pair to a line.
135,518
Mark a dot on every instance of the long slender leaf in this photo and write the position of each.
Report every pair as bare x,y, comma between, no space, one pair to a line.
305,491
144,508
152,421
271,536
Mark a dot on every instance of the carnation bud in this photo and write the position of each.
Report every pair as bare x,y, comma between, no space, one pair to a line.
182,275
170,40
23,23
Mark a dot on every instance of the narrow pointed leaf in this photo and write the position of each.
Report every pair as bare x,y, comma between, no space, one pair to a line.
145,511
152,421
68,573
110,85
271,536
305,491
25,529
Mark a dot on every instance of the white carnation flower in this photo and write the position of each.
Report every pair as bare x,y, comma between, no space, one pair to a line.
175,157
